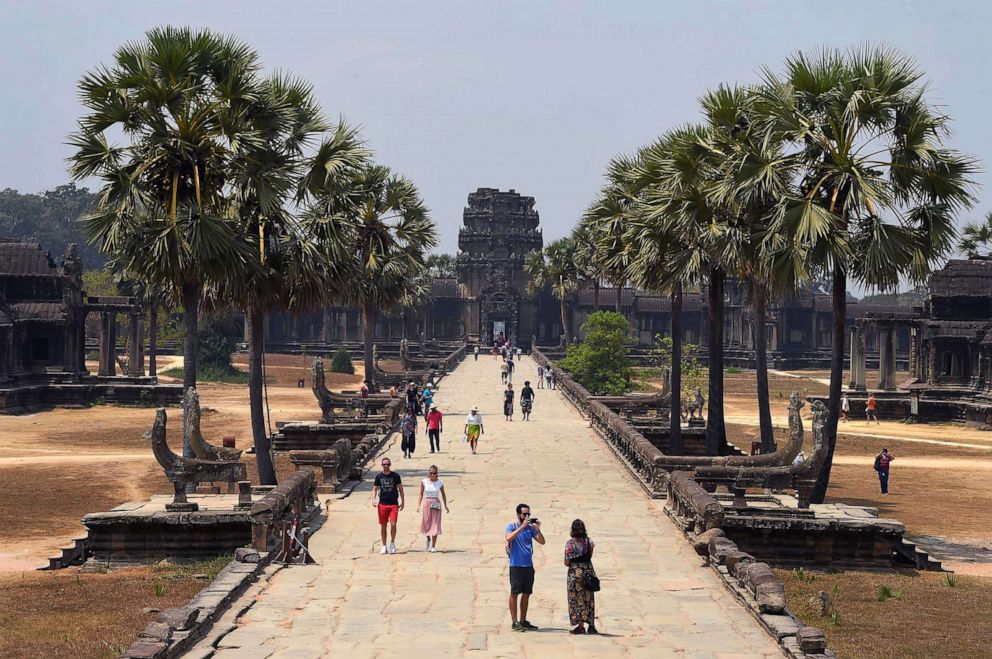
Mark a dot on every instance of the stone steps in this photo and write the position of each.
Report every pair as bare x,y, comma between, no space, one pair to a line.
72,554
909,552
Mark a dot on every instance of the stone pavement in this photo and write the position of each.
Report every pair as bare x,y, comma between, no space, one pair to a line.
657,599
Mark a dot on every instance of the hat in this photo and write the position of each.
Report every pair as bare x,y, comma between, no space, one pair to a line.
412,384
475,408
434,406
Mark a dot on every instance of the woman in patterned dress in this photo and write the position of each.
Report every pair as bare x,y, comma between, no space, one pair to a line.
581,602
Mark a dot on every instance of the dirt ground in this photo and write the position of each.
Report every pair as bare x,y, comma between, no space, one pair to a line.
927,618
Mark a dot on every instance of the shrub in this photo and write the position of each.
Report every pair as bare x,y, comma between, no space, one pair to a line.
951,580
218,336
884,593
341,362
600,363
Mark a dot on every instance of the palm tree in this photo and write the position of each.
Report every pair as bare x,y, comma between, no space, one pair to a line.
554,267
877,190
976,238
587,258
179,98
389,234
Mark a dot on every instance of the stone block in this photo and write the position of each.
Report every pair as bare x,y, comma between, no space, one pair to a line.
736,560
812,640
246,555
719,548
702,542
780,625
181,618
770,596
145,649
156,631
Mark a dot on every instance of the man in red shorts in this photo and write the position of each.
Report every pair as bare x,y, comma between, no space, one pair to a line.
387,499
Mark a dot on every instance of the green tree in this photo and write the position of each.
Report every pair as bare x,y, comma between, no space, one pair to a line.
600,362
51,219
976,238
442,265
181,100
555,267
341,362
876,189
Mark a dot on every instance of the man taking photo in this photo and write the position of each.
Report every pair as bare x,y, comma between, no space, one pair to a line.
520,537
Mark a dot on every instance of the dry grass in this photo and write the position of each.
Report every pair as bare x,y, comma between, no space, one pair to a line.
928,619
73,615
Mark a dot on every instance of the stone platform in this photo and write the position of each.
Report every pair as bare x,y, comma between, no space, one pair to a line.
144,531
26,397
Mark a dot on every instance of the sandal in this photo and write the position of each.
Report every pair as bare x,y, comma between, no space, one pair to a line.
592,630
578,630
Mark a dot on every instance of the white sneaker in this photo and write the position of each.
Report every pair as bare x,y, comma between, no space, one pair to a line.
392,547
383,550
427,544
433,550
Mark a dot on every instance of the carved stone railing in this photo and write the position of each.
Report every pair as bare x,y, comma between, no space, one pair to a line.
185,471
334,464
295,496
441,365
696,509
201,448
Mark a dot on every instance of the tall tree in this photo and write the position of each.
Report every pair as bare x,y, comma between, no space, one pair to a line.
976,238
555,267
877,189
180,99
390,234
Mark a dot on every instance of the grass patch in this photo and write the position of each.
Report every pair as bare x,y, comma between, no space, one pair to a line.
932,619
211,568
229,375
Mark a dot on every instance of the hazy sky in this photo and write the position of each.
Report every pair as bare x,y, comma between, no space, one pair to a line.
534,96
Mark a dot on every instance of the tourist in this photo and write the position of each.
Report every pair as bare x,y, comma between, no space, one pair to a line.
432,488
508,402
540,377
882,461
434,428
526,400
412,399
394,392
581,600
504,372
520,353
549,376
870,410
388,500
845,407
409,429
510,366
476,353
428,399
519,537
474,428
364,391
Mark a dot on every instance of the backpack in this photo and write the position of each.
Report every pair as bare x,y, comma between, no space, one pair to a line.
878,463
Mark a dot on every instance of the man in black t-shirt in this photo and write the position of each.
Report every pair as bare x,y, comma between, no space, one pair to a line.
526,400
387,499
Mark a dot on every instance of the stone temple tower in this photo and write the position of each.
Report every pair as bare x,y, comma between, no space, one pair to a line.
500,229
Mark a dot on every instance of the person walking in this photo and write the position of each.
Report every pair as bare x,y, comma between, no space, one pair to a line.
393,392
508,402
434,427
510,367
409,427
475,353
412,398
581,600
526,400
431,489
428,398
504,372
388,500
540,377
845,407
549,375
882,461
474,428
363,392
520,537
870,410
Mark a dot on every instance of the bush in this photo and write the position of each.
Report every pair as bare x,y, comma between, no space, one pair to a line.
341,363
600,363
218,336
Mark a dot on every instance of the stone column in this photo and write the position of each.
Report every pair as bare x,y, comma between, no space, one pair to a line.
108,343
858,358
136,340
886,358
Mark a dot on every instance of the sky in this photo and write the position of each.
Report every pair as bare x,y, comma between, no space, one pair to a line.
534,96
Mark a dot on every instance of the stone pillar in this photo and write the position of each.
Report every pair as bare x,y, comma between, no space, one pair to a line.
857,358
774,335
136,339
108,343
886,358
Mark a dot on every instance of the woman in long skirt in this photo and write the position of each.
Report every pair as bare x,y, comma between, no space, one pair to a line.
409,428
431,489
581,601
508,402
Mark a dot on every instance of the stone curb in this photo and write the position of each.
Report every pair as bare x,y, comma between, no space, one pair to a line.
178,630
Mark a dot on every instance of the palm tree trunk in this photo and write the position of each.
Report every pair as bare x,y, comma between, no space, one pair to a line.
761,366
368,318
839,299
153,338
191,323
595,295
675,445
256,376
619,297
564,321
716,434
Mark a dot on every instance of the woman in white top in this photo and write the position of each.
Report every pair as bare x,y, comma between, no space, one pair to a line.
473,427
432,489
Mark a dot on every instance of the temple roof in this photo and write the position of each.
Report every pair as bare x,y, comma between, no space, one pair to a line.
51,312
963,278
445,287
19,259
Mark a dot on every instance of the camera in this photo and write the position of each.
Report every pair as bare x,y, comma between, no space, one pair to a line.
534,520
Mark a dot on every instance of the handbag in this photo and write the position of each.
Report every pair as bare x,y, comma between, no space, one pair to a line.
434,504
590,582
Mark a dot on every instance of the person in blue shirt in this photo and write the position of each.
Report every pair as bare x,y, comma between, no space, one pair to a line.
428,398
520,537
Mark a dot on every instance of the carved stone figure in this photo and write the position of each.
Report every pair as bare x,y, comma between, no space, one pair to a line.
696,404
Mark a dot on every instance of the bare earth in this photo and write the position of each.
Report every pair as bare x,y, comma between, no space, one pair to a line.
657,599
